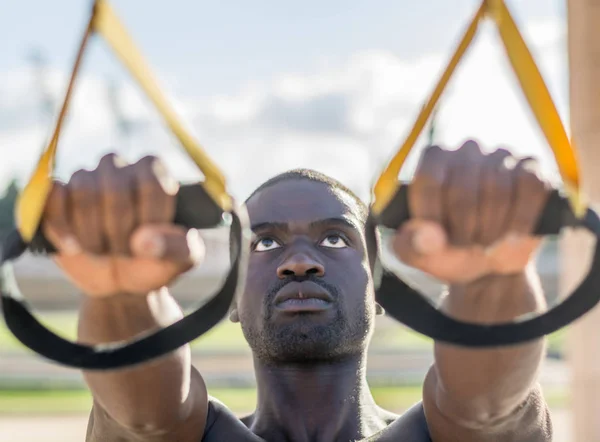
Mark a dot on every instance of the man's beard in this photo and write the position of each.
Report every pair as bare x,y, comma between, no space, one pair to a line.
305,340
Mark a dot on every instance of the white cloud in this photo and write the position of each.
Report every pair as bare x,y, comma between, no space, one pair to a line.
344,120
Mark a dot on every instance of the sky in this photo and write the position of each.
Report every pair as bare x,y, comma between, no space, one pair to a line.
268,86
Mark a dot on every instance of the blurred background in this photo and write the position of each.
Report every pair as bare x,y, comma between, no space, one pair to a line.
266,86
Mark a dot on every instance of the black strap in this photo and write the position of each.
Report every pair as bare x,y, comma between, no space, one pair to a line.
196,213
411,308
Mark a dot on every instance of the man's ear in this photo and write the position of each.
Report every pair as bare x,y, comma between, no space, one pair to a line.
233,315
379,310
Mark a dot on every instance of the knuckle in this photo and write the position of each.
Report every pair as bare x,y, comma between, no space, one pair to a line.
529,166
146,164
500,153
83,188
154,178
83,178
115,182
432,155
530,181
470,146
111,160
434,149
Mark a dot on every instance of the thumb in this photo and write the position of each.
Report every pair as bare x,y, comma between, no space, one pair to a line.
168,242
418,239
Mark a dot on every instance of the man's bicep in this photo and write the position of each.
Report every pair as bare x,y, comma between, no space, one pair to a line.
530,422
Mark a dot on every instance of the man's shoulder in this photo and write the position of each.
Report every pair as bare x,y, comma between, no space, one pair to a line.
409,427
221,421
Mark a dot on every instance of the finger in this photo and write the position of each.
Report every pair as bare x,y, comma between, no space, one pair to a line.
417,240
531,194
462,194
85,211
425,191
496,193
55,223
118,203
168,242
156,192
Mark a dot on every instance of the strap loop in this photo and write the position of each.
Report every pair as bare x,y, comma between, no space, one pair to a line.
103,21
534,89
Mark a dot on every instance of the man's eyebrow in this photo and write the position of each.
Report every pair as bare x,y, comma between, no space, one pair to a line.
342,222
270,226
327,222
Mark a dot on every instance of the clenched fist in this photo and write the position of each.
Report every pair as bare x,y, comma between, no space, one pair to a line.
473,215
113,228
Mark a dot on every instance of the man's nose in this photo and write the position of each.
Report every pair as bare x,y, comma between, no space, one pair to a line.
300,265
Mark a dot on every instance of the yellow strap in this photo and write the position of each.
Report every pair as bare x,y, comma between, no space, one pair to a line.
533,87
31,202
105,22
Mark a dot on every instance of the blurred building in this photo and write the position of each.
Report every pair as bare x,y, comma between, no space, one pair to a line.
45,286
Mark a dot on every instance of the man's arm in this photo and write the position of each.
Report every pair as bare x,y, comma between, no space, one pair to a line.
473,220
113,228
163,400
489,394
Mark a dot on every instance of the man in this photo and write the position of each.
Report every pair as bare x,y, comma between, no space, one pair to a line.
308,308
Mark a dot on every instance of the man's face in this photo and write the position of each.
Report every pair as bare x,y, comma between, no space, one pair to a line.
308,294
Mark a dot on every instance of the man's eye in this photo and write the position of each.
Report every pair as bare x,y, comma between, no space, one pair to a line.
265,244
334,242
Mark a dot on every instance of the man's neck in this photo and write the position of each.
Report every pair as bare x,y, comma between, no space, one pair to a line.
317,402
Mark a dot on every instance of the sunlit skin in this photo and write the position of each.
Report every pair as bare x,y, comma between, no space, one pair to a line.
308,308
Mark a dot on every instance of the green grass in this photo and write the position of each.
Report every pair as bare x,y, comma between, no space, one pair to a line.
228,336
64,324
225,337
45,402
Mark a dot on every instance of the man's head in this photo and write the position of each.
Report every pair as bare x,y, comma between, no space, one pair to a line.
309,292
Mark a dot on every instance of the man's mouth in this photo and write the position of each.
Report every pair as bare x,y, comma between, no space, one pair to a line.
305,296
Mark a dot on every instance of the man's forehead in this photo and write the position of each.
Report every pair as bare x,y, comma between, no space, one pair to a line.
300,200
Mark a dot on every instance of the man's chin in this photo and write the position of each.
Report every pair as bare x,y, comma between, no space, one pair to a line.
302,341
306,338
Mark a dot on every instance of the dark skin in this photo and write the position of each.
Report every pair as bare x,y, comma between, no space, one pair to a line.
471,229
301,239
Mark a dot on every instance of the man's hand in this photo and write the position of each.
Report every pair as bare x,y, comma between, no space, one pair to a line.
473,218
113,228
472,214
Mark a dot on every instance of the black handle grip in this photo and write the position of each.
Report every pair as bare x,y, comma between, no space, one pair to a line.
556,214
195,209
410,307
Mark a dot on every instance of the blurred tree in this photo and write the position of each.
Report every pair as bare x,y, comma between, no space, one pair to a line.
7,206
432,132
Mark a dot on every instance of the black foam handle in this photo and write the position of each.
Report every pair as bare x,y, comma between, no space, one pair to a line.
557,213
195,209
410,307
202,212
